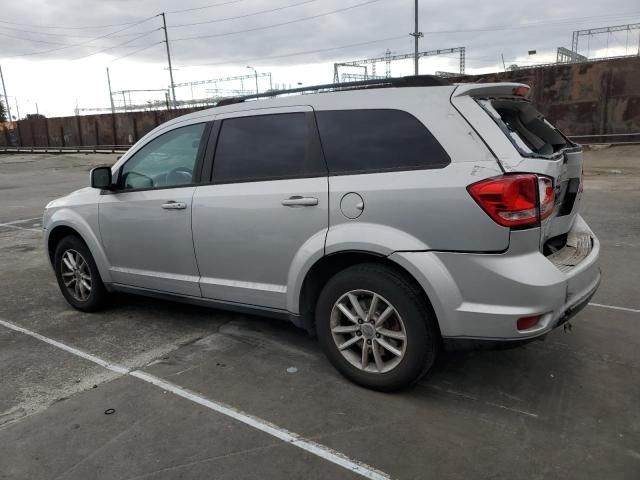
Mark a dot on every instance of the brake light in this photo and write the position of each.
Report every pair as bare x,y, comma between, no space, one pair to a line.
547,197
515,200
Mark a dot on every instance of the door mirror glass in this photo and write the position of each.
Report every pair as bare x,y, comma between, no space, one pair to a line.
101,178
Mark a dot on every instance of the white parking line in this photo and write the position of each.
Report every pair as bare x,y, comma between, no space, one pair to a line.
613,307
291,438
13,222
9,225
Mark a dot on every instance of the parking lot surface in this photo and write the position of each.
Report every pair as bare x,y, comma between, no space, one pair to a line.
187,392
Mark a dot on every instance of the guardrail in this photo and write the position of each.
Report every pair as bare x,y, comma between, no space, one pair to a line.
81,149
602,138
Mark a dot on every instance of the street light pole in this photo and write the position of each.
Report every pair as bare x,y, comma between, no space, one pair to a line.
6,99
256,73
166,41
416,35
113,108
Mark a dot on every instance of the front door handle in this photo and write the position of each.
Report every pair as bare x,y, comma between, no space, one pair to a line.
298,201
172,205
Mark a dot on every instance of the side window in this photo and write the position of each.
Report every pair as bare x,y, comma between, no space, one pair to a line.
266,147
361,141
165,161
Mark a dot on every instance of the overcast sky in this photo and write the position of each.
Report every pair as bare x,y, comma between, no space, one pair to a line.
57,67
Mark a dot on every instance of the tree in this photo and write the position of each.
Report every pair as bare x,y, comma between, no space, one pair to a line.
35,116
3,112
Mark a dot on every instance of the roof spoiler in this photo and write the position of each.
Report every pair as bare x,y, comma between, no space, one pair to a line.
503,89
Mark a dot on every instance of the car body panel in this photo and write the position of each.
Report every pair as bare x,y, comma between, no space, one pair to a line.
406,211
481,296
79,211
246,240
147,245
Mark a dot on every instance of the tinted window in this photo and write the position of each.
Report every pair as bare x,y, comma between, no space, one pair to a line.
165,161
266,147
359,141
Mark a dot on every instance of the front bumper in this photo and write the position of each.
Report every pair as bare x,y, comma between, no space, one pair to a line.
481,296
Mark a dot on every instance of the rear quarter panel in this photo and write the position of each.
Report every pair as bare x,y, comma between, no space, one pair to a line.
417,209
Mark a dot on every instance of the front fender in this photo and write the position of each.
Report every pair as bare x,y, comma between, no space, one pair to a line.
87,227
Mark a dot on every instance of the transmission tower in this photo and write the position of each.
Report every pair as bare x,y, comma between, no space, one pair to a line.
388,58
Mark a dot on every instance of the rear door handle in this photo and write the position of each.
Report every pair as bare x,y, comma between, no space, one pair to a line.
172,205
298,201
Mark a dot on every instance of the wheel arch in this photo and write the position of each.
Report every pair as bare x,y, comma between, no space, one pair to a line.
327,266
65,225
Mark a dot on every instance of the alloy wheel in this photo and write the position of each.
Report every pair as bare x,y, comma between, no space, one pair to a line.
368,331
76,275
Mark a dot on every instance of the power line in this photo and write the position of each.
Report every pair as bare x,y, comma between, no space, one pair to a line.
273,25
277,9
89,27
564,21
205,6
135,51
52,34
32,39
295,54
81,44
116,46
68,27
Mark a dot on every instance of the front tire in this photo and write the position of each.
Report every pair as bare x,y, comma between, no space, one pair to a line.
376,327
78,276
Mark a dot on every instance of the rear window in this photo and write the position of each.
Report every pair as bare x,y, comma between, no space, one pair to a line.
376,140
530,132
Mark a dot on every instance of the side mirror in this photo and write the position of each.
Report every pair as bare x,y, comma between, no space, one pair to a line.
101,178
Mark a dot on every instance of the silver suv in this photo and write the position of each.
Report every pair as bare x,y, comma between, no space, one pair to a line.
391,218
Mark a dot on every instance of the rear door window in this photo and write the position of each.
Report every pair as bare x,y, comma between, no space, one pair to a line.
267,147
377,140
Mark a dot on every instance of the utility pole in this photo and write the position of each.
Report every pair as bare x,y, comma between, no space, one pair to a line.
256,73
416,35
166,42
6,99
37,111
17,107
113,108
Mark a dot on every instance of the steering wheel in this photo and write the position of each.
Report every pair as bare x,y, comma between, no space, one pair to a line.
179,176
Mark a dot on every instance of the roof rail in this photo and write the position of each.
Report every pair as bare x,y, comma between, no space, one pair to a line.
409,81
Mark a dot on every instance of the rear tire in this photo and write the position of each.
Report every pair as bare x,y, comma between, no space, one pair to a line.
78,276
385,348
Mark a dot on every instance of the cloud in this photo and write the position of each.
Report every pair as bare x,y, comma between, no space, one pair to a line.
487,30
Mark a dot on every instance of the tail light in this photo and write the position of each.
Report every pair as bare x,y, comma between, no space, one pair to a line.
515,200
547,197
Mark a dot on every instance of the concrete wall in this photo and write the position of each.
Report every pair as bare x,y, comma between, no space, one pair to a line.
581,99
